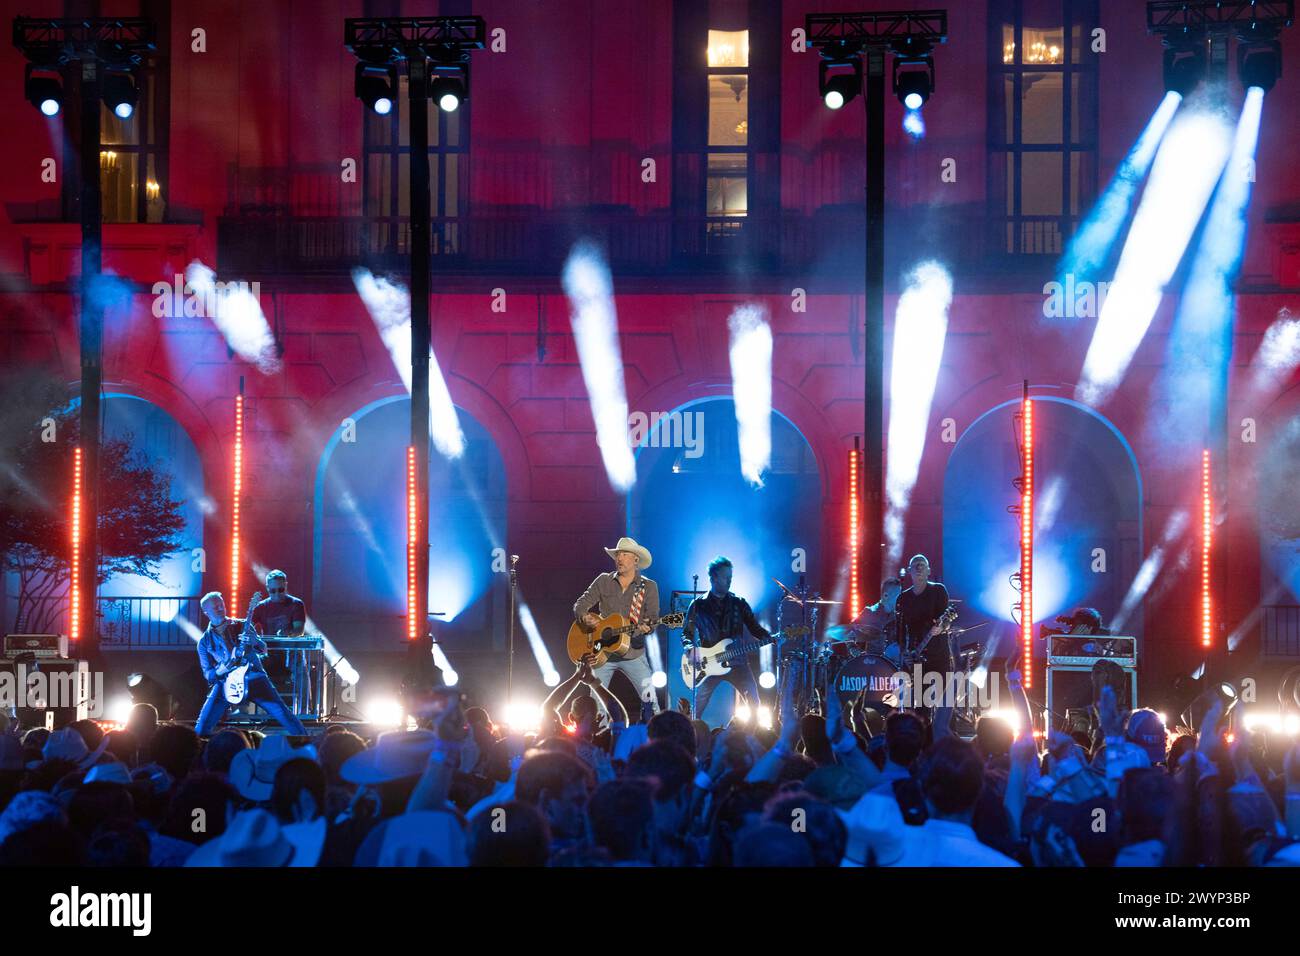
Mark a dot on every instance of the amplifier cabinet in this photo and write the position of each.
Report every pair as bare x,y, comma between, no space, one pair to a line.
65,688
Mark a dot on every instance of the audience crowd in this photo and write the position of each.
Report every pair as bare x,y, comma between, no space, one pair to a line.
593,788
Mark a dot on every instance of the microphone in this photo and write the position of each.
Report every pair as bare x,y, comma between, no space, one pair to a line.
514,559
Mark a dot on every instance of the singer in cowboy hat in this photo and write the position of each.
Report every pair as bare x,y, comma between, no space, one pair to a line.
628,592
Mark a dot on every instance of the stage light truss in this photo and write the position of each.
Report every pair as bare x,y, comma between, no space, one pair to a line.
121,42
1207,540
1172,17
382,40
74,519
878,29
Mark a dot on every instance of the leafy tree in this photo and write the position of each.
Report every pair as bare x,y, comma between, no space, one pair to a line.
139,521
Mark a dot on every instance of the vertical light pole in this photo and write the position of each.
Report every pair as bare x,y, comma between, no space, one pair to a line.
861,41
435,53
85,49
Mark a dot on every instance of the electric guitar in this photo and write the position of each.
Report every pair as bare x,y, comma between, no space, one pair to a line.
236,682
612,637
716,661
941,625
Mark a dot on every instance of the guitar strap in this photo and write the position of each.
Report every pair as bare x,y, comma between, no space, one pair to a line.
634,612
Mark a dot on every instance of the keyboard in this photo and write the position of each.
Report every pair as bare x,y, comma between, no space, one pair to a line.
308,642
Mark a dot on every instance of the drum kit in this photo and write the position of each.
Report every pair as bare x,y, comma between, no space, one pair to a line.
863,665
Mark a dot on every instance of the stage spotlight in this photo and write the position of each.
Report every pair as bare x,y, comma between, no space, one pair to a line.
767,680
743,714
146,690
1259,63
448,92
839,76
120,94
385,711
1184,67
119,711
765,718
913,71
659,679
523,717
1008,716
839,90
912,88
374,87
45,90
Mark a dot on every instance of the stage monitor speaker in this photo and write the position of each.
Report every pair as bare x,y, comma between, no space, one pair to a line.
36,687
1070,688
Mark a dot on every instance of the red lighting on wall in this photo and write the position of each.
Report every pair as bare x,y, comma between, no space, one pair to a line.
855,512
1027,545
1207,532
74,587
412,604
237,487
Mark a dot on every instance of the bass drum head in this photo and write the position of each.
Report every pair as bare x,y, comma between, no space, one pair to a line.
872,679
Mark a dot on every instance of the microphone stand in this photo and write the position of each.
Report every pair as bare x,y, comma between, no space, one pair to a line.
510,660
695,684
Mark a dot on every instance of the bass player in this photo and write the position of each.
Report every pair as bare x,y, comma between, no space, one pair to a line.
715,617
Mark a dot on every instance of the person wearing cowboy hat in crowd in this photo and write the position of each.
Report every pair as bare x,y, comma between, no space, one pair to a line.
68,745
628,592
252,772
256,838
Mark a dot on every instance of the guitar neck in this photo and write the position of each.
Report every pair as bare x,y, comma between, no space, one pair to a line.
743,645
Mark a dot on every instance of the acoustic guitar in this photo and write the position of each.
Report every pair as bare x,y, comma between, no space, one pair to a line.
612,637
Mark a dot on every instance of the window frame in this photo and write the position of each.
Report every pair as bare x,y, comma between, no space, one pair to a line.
1079,134
446,234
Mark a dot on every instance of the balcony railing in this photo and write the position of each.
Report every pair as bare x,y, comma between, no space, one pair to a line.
533,242
131,623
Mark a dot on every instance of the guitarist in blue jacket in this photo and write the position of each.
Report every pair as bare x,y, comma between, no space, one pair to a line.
220,652
715,617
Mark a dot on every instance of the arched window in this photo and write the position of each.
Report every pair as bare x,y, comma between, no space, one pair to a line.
156,436
691,503
1087,510
359,536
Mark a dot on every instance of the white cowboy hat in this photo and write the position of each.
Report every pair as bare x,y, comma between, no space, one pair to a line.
256,838
423,838
396,755
252,772
627,544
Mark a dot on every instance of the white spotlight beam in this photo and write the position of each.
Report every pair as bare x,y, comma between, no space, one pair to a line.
1201,345
1088,249
236,312
1187,166
751,387
550,676
389,305
1277,357
590,289
920,328
1146,574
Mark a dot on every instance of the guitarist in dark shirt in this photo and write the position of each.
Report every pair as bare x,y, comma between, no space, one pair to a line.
713,618
919,608
281,614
